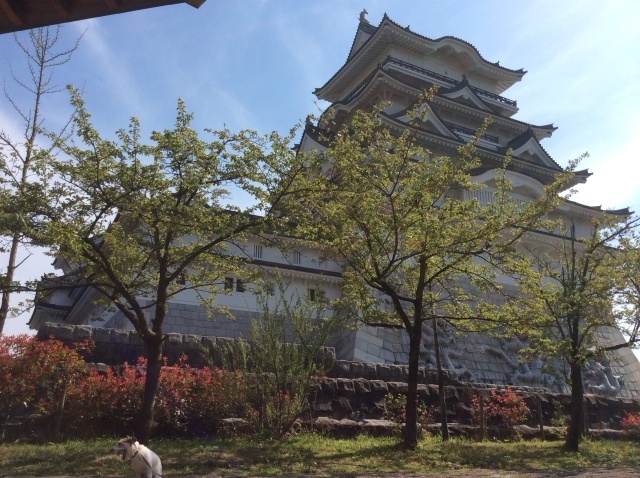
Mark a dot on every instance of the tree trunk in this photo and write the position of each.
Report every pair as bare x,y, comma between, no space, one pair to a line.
483,422
540,418
574,432
444,425
57,421
8,279
151,384
411,418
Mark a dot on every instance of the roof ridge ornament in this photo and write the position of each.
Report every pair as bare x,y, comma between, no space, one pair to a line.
362,16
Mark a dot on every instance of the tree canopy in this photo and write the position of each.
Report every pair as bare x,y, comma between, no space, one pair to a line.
140,222
416,246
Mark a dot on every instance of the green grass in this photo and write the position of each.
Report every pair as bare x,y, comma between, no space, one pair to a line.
310,453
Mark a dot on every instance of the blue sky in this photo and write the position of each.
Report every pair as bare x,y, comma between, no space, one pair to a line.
254,64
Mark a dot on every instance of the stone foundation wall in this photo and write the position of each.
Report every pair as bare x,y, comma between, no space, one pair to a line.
351,390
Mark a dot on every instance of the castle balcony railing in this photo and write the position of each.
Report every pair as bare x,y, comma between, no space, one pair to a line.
486,140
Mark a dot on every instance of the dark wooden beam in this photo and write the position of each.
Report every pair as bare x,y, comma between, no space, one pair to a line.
11,14
24,14
113,4
63,7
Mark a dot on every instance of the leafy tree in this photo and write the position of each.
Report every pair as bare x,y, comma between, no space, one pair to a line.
141,223
577,287
414,248
22,167
284,354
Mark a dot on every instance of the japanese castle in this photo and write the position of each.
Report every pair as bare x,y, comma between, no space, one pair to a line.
390,63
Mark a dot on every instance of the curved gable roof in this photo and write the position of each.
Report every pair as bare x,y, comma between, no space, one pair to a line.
462,90
389,32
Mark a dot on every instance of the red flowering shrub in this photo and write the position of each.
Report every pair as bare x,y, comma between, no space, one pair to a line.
631,422
48,383
36,377
505,407
189,401
106,402
215,394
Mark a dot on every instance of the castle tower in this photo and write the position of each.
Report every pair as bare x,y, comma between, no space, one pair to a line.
390,64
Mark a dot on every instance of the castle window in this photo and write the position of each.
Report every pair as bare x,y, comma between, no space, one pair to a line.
295,257
269,289
240,286
228,283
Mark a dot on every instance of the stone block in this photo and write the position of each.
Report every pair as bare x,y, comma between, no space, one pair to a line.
341,368
82,332
120,336
378,386
322,405
361,385
102,335
59,331
345,385
383,372
374,350
397,387
173,339
356,369
370,370
387,355
329,386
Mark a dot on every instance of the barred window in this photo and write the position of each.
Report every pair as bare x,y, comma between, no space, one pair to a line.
295,257
228,283
269,289
240,286
257,251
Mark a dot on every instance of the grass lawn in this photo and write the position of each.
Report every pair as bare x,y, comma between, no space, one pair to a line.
309,453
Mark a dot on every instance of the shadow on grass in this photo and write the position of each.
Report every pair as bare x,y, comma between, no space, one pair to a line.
312,454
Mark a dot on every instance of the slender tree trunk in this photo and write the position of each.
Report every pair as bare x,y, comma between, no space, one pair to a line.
483,422
574,433
8,279
151,384
540,418
444,425
57,422
411,418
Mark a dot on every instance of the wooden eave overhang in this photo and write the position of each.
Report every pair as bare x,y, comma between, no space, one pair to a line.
300,271
528,140
491,159
367,88
16,15
388,33
463,90
622,212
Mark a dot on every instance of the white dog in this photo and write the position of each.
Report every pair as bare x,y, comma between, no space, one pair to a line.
145,463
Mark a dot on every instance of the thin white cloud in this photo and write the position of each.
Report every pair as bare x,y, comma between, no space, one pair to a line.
110,70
